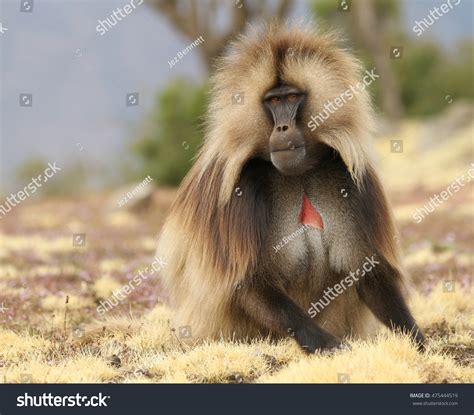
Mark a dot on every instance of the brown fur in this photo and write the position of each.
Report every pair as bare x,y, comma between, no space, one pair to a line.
218,245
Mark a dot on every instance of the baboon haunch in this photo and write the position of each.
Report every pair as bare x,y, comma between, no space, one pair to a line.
263,175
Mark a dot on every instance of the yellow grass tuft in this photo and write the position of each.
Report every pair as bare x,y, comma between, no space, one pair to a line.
53,302
389,358
455,308
111,265
119,219
103,287
78,369
16,347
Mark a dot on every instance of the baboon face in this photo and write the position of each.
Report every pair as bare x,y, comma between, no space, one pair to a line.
270,98
289,150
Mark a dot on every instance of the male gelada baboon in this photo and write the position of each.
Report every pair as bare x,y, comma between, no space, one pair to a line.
276,213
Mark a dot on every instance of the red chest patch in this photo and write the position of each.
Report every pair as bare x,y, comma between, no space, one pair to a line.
309,215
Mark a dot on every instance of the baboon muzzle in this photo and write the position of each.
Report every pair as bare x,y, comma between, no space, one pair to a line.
287,143
287,149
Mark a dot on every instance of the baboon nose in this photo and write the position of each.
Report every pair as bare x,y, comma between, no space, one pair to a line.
282,128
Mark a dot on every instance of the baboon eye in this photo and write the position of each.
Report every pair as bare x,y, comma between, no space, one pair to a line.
292,97
275,100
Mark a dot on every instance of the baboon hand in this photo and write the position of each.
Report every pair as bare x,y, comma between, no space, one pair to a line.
312,338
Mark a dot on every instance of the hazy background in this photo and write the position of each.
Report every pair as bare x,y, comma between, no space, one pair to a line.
78,239
79,81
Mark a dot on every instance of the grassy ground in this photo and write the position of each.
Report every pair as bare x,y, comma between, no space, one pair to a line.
50,330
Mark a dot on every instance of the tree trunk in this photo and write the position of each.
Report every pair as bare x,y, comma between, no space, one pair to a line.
367,29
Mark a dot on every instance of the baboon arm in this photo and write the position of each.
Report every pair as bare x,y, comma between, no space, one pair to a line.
380,291
277,313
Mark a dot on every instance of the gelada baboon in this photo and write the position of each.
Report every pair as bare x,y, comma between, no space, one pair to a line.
275,212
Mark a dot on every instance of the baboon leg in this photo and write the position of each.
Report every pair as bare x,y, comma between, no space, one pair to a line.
275,311
384,298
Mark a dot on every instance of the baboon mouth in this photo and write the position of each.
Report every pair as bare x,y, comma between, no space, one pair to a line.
290,162
279,150
309,215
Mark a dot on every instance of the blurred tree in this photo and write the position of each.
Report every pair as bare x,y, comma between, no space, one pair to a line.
370,25
172,133
193,18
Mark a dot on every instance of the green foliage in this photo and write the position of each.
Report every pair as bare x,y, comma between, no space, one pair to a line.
429,76
328,9
172,133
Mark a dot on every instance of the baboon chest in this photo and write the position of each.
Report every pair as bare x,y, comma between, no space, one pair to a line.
299,218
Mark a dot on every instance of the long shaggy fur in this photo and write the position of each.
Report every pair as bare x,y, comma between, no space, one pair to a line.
213,240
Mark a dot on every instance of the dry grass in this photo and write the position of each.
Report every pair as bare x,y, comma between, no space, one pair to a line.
124,349
44,340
